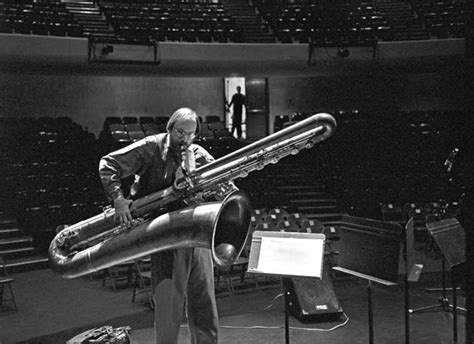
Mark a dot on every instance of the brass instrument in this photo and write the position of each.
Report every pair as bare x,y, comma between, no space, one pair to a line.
98,242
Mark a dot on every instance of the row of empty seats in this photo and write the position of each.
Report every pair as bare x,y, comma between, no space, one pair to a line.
50,168
120,131
325,23
421,215
279,219
38,18
321,23
405,166
431,211
47,138
444,19
173,22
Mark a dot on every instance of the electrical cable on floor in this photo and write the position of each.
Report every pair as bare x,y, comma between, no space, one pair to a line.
292,327
273,301
280,327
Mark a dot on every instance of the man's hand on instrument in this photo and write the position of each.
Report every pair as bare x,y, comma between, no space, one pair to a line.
122,210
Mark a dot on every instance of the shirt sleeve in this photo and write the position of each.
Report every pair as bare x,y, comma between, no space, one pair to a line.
127,161
201,156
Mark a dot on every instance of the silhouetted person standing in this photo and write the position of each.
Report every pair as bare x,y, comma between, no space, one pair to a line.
238,101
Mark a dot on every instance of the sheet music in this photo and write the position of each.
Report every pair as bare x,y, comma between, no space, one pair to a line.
291,256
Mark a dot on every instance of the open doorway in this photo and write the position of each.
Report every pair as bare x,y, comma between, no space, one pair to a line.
231,86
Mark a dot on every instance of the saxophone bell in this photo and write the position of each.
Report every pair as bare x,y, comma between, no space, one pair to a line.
222,227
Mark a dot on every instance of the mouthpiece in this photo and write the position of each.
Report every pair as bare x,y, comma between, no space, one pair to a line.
188,162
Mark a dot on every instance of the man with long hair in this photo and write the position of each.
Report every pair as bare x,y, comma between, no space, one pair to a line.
181,276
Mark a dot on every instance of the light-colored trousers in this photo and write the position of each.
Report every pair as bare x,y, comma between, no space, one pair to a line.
190,278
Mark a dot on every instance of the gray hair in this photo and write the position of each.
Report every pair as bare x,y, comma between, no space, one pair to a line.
181,114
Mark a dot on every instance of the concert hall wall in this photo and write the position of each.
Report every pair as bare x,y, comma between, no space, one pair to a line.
376,93
88,99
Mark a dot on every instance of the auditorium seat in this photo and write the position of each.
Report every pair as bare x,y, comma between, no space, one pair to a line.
212,118
235,35
6,25
312,226
266,226
189,34
111,120
117,127
301,35
57,29
145,119
151,129
298,218
206,133
392,213
279,122
279,212
204,35
119,134
287,226
133,127
219,129
273,219
162,121
39,27
129,120
259,213
258,216
136,135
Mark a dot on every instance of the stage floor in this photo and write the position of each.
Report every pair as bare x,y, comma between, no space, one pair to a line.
267,326
53,310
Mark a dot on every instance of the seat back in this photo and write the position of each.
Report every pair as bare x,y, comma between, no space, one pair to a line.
299,218
266,226
392,213
3,268
5,280
287,226
210,119
312,226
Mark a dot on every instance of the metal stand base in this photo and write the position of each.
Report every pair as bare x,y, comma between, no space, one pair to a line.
445,305
443,300
287,315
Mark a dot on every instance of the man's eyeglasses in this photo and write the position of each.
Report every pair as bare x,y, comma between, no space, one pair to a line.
182,133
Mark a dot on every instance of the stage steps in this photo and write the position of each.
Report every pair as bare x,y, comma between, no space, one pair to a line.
17,249
248,21
93,22
403,21
311,199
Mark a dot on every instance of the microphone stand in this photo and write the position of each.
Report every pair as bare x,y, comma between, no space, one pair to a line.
444,300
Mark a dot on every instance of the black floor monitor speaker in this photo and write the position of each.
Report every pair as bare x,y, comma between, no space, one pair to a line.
313,300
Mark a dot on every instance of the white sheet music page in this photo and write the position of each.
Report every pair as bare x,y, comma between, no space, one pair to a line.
291,256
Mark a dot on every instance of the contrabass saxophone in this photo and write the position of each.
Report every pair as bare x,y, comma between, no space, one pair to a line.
99,242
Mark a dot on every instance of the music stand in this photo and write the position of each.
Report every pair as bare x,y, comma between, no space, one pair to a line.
275,254
443,300
370,250
450,238
412,271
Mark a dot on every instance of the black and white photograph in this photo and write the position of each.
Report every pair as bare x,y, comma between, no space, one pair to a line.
236,171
